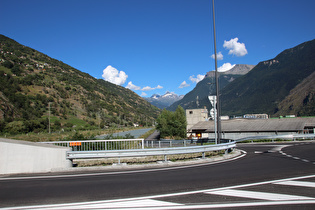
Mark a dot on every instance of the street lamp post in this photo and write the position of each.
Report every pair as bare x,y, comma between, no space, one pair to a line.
218,114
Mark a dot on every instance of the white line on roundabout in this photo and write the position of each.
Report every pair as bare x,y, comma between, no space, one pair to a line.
149,202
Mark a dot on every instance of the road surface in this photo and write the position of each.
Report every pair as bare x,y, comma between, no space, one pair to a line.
274,175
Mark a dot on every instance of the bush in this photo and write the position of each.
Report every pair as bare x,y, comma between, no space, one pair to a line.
172,124
15,127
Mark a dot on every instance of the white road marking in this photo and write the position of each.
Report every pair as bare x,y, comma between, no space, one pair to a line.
197,206
130,203
152,199
259,195
297,183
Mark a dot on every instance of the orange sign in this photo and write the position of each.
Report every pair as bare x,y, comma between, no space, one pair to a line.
75,143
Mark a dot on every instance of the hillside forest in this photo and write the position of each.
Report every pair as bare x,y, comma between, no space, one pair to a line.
38,92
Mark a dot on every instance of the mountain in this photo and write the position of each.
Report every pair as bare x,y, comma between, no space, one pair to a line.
33,84
273,84
198,97
163,101
301,99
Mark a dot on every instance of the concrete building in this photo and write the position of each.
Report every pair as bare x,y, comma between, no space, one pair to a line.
193,116
240,128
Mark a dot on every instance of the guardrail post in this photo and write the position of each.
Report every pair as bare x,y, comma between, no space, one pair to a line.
165,158
184,143
159,144
203,155
142,143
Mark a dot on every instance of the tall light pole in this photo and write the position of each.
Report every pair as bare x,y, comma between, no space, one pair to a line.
216,81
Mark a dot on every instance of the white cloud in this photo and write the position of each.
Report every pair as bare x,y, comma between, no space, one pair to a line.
184,84
132,86
147,88
197,79
143,94
235,47
112,75
219,56
225,67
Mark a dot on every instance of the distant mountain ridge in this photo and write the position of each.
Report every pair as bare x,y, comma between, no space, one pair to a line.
163,101
238,69
263,89
198,97
283,85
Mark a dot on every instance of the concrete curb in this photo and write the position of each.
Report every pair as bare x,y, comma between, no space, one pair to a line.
159,164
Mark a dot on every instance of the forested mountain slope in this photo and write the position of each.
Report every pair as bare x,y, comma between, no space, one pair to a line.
270,82
198,97
30,81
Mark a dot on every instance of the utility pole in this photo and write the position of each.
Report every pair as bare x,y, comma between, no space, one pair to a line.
49,117
216,82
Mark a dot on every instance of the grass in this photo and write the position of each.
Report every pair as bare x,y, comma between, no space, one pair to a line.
147,134
145,160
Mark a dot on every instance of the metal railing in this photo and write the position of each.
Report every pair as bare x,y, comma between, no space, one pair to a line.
148,152
121,144
97,145
89,149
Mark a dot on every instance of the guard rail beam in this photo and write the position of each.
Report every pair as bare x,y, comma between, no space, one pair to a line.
148,152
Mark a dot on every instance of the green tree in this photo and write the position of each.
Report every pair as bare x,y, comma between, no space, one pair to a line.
15,127
172,124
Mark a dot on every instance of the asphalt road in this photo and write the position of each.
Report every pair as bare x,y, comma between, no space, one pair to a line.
262,163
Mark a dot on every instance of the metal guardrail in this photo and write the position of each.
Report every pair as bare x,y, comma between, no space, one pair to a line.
148,152
136,149
273,137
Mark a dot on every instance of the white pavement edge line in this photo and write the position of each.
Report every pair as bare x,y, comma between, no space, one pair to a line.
297,183
145,203
125,172
259,195
206,206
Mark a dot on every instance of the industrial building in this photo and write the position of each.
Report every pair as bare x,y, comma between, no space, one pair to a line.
193,116
241,128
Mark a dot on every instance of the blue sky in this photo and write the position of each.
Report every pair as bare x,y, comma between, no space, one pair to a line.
154,46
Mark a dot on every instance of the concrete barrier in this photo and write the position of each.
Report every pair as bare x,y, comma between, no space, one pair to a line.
27,157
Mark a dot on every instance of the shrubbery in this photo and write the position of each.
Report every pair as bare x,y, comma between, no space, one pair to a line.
172,124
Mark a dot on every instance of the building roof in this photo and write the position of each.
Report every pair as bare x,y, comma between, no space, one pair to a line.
257,125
